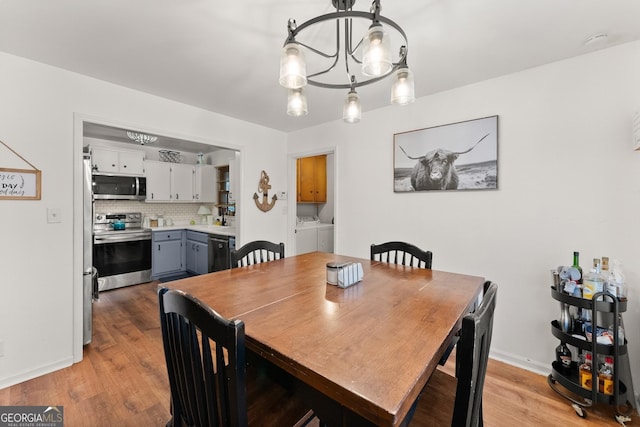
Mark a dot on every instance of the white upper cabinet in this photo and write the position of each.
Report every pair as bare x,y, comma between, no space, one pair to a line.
112,161
158,181
204,185
182,182
179,182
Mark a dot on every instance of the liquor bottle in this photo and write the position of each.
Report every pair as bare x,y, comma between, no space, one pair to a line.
563,356
605,376
584,370
592,282
576,265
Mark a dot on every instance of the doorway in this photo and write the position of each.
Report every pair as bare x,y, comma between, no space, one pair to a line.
312,224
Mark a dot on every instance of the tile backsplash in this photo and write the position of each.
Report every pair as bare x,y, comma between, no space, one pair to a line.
180,213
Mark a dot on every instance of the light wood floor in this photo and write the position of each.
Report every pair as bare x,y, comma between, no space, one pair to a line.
122,379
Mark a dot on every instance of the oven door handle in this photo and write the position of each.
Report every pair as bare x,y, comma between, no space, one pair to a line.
132,237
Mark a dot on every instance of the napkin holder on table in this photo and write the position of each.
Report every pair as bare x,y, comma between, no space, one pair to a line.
345,274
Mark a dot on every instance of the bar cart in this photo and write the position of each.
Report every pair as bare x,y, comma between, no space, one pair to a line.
602,304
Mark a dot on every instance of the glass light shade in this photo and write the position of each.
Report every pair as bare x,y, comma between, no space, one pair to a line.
376,54
293,68
297,103
142,138
402,92
352,111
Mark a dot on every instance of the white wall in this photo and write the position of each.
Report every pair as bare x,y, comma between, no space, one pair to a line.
568,180
39,273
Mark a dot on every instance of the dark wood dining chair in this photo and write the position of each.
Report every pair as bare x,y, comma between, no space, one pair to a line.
459,401
256,252
401,253
208,374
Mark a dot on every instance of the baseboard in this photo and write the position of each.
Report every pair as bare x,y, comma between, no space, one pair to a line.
29,375
521,362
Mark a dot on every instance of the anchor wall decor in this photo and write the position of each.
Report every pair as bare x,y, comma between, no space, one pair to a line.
263,187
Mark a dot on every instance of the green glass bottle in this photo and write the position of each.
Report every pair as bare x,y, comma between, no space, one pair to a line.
576,265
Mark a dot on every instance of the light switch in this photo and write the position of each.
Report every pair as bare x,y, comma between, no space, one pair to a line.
54,215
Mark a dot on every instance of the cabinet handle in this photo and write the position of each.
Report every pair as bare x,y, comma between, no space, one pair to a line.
158,248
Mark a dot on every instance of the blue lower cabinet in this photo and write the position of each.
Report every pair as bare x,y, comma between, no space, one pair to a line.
168,253
197,252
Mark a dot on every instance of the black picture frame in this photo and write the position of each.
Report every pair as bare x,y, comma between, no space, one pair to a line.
452,157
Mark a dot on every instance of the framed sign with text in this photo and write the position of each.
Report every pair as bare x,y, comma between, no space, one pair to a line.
20,184
23,184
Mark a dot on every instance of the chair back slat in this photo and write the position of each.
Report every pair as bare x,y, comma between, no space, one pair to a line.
256,252
402,253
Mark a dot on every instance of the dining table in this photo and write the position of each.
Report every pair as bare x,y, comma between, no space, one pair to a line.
361,354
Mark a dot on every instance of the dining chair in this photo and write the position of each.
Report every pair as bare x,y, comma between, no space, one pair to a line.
401,253
462,397
207,369
256,252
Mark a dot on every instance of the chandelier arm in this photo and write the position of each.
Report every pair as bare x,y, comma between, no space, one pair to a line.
343,15
347,47
293,32
349,85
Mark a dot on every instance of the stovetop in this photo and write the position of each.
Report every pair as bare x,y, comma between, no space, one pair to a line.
103,223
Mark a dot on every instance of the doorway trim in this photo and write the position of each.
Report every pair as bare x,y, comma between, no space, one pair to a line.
78,142
292,188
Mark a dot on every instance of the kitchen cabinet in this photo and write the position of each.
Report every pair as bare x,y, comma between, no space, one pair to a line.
312,179
112,161
169,182
225,194
205,183
182,182
168,254
197,252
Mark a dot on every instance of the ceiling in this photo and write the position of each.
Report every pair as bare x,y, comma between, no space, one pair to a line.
224,56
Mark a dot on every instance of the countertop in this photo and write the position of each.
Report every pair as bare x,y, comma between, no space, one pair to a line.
210,229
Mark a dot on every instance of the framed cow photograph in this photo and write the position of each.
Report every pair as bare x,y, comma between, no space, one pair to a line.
456,156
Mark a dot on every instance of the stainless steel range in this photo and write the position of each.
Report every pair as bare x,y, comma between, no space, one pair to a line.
121,249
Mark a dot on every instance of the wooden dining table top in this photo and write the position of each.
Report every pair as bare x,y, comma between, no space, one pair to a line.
371,347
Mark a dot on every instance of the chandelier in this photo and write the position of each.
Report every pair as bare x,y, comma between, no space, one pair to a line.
365,60
141,138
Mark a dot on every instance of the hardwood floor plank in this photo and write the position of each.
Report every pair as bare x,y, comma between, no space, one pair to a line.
123,379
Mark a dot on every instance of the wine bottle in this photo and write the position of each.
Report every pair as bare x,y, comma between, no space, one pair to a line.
576,265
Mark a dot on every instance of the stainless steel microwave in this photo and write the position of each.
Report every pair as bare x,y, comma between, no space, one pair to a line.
118,187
